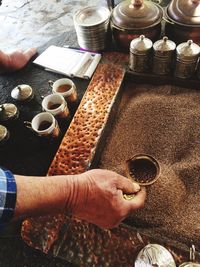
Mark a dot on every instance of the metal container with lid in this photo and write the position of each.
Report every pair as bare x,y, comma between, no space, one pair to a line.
163,52
140,52
187,54
8,112
183,20
130,19
22,93
4,134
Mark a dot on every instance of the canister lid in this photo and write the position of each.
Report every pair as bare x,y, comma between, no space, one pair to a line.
185,11
189,264
188,50
8,111
141,45
136,14
22,92
3,133
164,45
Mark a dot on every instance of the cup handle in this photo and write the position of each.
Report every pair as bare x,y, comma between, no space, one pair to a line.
28,125
51,83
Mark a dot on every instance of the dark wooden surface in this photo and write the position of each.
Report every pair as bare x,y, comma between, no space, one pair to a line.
27,154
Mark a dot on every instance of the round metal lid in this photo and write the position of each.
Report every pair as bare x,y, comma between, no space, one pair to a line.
91,16
8,111
3,133
188,50
140,45
22,92
155,255
185,11
136,14
164,45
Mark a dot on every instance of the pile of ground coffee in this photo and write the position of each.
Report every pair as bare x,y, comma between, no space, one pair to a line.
164,122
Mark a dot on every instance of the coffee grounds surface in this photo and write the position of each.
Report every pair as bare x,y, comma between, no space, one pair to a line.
164,122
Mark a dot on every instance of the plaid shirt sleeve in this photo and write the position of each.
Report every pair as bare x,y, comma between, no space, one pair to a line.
7,195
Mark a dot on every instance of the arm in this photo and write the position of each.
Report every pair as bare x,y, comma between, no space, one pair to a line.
15,60
95,196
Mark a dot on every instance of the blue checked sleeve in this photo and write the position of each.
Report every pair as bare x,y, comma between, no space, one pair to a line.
7,195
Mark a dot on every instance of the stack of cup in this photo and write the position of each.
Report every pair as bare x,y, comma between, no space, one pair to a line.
91,24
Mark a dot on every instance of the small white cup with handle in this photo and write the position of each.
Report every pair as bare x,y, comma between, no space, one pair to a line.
56,105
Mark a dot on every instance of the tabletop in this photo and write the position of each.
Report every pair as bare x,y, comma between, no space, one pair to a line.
27,154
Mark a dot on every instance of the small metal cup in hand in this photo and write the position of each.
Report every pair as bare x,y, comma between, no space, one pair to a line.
142,169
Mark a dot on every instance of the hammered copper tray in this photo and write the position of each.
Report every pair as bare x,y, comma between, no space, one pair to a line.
77,241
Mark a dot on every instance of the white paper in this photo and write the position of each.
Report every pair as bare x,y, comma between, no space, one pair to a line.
70,62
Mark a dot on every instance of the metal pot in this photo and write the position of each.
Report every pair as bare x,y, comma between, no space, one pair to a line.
132,18
183,20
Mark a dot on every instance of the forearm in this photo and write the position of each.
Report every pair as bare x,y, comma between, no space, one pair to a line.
42,195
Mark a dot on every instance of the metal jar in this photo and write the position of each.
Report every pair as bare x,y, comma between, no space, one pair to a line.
183,20
163,55
140,53
132,18
187,54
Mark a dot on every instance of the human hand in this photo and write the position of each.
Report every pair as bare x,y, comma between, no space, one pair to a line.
97,197
15,60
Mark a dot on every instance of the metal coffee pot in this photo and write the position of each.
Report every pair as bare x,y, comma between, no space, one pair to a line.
183,20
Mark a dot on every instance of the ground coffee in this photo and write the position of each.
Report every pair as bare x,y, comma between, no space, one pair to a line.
162,121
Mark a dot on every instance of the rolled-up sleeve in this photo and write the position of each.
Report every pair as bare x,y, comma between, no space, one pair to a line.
7,195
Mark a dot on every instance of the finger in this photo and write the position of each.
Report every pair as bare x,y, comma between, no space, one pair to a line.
127,186
29,53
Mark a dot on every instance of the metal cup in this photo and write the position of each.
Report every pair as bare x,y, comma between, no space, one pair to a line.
44,124
66,88
142,169
56,105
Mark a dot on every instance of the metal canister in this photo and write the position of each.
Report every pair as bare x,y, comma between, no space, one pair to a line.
4,134
140,52
163,54
187,54
8,112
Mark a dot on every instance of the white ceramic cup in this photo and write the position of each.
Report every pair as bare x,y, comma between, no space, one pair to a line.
66,88
44,124
56,105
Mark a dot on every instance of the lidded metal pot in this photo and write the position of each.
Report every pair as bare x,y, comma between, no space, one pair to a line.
183,20
163,55
8,112
4,134
132,18
187,54
140,53
22,93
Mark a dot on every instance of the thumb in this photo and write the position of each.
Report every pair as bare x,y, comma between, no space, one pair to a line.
127,186
30,52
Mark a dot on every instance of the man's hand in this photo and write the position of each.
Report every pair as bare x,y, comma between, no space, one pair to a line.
97,197
15,60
